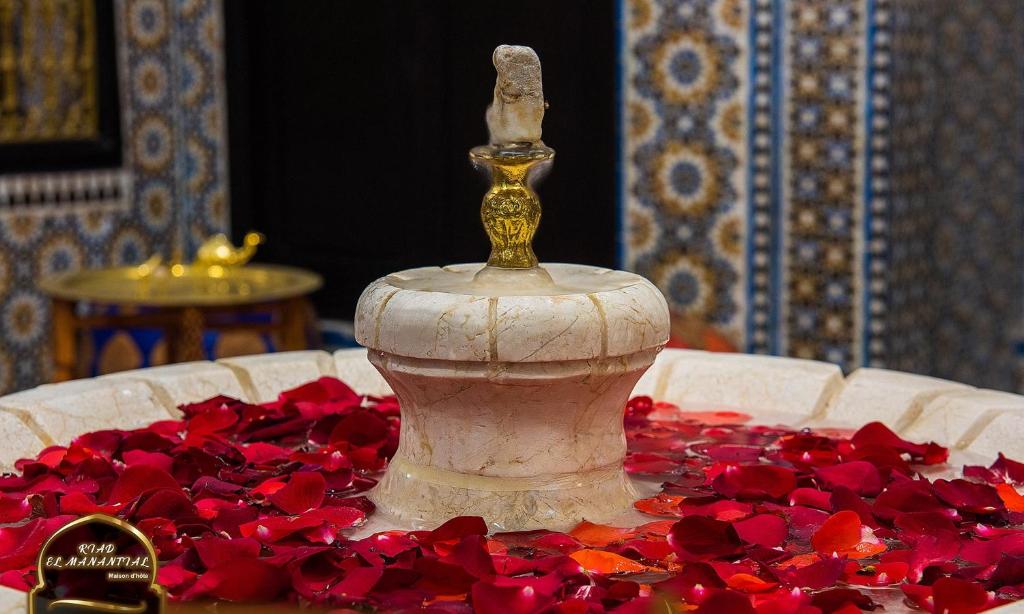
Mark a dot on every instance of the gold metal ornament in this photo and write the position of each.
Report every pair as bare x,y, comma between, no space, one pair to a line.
511,208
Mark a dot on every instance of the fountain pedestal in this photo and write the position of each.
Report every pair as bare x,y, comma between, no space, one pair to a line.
512,376
512,389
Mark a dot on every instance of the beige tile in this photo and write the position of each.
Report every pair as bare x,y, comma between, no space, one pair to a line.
66,410
753,384
263,377
355,370
893,398
956,418
187,382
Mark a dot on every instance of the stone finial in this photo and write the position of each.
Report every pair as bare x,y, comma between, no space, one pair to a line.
516,113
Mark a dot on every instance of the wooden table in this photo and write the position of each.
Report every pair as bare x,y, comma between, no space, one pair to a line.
182,302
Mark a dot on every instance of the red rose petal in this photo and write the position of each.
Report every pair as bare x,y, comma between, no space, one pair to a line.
700,538
843,534
754,482
139,479
765,530
1009,470
822,573
303,492
968,496
243,580
906,496
215,551
859,476
811,497
14,508
455,529
357,582
956,596
19,545
156,459
721,601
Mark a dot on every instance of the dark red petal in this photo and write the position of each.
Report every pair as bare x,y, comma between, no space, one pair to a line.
766,530
141,457
755,482
845,499
722,601
244,580
303,492
969,496
1008,572
360,428
357,582
260,452
170,503
836,598
859,476
1010,470
906,496
214,551
818,575
14,508
19,545
211,420
489,598
322,390
139,479
700,538
811,497
455,529
956,596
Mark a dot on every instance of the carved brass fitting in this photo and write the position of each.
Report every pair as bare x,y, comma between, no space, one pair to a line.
511,209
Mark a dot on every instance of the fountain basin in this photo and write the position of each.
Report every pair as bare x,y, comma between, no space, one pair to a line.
512,385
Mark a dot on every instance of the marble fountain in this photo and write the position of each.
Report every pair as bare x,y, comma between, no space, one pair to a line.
509,374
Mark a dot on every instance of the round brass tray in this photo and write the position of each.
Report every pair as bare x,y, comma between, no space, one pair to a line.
191,286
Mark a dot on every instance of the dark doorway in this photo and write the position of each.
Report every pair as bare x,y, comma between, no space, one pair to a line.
350,122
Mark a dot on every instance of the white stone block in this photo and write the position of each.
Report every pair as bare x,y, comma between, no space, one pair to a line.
956,418
893,398
354,369
265,376
20,441
757,385
654,381
1002,434
187,382
13,601
64,411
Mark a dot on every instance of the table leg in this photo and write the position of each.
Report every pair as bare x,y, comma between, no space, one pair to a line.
295,322
185,335
191,342
65,337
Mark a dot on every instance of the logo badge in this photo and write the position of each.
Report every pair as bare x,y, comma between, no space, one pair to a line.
97,564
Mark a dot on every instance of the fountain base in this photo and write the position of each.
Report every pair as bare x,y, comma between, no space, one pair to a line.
525,445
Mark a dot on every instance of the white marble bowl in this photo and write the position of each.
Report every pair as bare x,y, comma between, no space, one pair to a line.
974,423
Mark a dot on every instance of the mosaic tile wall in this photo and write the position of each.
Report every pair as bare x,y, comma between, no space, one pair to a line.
170,193
832,179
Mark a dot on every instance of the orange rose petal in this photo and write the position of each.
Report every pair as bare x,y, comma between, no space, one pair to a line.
599,535
749,583
606,562
1013,500
658,527
800,561
662,505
